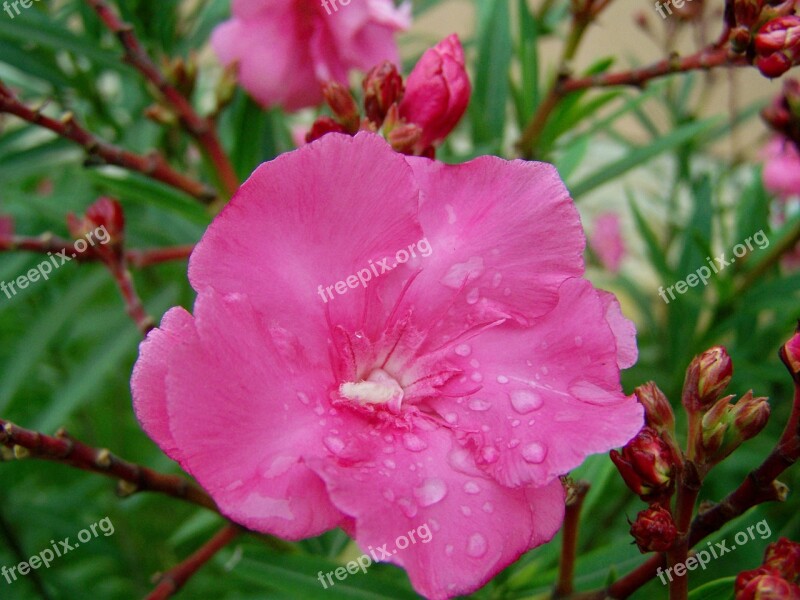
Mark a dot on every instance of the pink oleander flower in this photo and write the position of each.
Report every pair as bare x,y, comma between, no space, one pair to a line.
782,168
437,91
286,50
451,389
777,46
606,241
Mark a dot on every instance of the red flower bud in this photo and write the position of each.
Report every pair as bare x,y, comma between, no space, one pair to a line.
646,464
383,86
104,213
657,409
777,46
768,586
342,105
437,92
790,354
750,416
405,138
784,556
747,11
322,126
707,377
654,530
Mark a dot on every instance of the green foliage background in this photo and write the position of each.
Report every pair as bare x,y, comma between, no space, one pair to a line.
67,346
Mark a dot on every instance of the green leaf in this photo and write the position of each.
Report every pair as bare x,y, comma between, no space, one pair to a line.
490,94
721,589
528,51
640,155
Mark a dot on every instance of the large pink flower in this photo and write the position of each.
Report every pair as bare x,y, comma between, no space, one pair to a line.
451,390
782,168
285,49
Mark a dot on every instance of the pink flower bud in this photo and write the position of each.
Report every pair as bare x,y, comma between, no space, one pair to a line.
654,530
383,86
777,46
437,91
790,355
767,586
750,415
706,378
104,212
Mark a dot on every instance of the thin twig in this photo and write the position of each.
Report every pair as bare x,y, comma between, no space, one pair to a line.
201,129
569,541
174,579
66,450
103,153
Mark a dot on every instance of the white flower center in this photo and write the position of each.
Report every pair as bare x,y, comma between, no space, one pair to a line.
378,388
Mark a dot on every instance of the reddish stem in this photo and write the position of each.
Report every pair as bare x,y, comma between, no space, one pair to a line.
133,304
202,130
152,165
174,579
569,542
66,450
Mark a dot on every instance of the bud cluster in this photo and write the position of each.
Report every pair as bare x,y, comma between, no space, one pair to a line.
768,32
415,116
777,577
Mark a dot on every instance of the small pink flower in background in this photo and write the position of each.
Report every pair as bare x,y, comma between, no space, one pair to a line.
286,49
437,91
452,390
782,168
606,241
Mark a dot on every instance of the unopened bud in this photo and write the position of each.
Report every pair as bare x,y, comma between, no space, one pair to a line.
322,126
768,585
106,215
707,377
647,464
777,46
784,556
657,409
404,138
654,529
750,416
790,355
383,86
714,425
342,105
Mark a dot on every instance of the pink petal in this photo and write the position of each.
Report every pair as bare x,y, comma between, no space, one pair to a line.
550,394
464,523
606,241
782,168
623,329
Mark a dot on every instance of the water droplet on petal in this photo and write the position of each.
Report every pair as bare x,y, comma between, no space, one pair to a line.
513,443
303,398
460,460
451,214
389,463
334,444
476,377
451,418
479,404
413,442
388,494
502,379
449,549
515,423
476,546
474,363
466,511
408,507
496,279
525,401
473,295
431,491
490,455
472,488
534,453
488,508
463,349
465,272
434,524
319,409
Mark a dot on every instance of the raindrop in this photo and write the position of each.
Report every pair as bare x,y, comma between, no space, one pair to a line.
451,417
462,273
515,423
472,488
473,295
334,444
525,401
466,511
489,455
488,508
502,379
449,549
463,350
451,214
534,453
476,547
388,494
408,507
303,398
513,443
389,463
496,279
474,363
478,404
413,442
430,492
476,377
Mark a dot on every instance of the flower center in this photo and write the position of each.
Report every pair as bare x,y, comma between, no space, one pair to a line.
378,388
